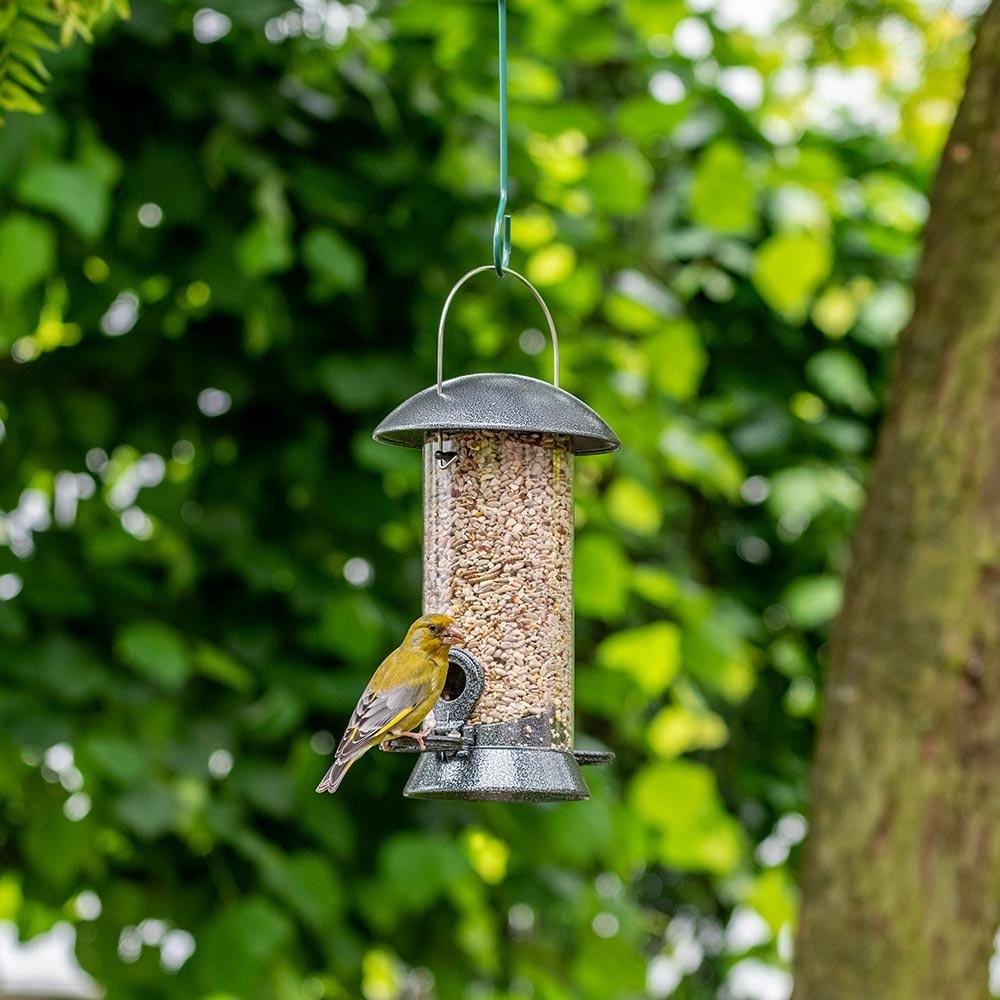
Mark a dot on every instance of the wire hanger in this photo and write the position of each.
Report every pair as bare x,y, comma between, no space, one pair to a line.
501,229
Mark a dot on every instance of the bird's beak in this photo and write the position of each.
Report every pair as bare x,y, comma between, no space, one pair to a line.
453,635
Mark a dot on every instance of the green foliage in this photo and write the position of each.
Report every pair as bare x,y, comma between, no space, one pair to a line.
212,291
23,37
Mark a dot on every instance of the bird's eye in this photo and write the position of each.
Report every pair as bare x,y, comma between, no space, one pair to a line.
434,629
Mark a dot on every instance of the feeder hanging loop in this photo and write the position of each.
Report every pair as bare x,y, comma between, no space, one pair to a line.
538,298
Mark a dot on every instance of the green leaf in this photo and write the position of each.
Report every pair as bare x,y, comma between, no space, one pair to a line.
632,506
701,457
237,947
677,359
437,861
210,661
264,248
775,898
723,197
842,378
804,491
602,577
835,312
67,670
335,265
644,119
619,180
655,585
56,848
812,601
714,652
155,651
14,97
655,17
650,654
610,968
789,269
679,802
27,253
123,760
77,195
150,809
677,729
308,885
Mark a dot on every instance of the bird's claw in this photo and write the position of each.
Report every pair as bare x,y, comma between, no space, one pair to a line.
419,738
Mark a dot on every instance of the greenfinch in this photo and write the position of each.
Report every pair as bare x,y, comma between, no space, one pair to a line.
400,694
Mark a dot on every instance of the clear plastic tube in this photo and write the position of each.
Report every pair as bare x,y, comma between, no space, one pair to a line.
498,557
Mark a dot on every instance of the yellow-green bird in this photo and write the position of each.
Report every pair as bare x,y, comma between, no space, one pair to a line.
400,694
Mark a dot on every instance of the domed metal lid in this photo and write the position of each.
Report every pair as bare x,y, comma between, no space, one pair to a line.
498,402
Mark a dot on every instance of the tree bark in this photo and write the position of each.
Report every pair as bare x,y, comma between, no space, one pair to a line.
901,882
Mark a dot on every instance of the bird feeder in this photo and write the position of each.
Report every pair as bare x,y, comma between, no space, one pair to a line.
498,454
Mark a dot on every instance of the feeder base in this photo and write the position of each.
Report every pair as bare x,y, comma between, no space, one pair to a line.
498,774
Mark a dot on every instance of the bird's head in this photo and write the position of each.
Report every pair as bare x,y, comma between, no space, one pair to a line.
433,631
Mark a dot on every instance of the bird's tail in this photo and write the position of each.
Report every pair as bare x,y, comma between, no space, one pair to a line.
332,779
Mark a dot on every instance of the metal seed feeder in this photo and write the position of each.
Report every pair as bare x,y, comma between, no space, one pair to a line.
498,557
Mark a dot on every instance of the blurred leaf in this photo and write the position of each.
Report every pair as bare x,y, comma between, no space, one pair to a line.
643,118
551,264
27,253
679,802
601,578
155,651
655,586
238,945
264,248
579,835
835,312
650,654
675,730
57,849
633,507
723,197
335,264
150,809
619,180
77,195
677,359
609,968
790,267
884,314
713,652
215,663
655,17
306,883
812,600
700,457
124,761
842,379
802,492
774,897
416,868
487,854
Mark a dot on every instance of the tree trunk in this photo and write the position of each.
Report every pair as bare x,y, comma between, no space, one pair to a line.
902,869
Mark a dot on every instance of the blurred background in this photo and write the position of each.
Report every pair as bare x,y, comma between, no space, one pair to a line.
224,248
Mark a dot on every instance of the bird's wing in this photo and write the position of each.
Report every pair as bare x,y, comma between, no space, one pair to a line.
378,711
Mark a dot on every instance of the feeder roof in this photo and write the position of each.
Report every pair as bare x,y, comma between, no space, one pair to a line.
498,402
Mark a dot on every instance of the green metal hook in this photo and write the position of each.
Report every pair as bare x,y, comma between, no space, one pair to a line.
501,229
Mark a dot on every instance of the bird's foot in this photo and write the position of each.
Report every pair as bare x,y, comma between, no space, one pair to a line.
420,738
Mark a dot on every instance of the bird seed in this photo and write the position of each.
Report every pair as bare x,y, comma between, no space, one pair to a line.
498,557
